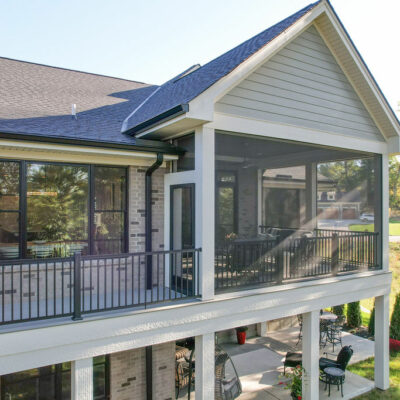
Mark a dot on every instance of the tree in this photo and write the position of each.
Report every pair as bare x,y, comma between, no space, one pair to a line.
354,314
371,323
395,320
394,182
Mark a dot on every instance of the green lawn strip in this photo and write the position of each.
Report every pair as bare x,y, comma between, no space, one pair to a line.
366,369
394,228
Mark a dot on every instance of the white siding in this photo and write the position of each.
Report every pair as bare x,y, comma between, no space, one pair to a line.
302,85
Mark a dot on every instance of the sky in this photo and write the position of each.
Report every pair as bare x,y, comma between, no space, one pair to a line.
152,41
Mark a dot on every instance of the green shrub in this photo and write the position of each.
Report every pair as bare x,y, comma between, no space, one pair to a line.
371,323
338,310
354,314
395,320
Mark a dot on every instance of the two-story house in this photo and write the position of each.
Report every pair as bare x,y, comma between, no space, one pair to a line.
133,215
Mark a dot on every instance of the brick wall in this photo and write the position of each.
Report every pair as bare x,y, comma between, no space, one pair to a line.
128,373
137,209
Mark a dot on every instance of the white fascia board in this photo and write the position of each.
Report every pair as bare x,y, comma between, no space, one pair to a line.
161,126
241,72
8,146
363,69
97,335
294,133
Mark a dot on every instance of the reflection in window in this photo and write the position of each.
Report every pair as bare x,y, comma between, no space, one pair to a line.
110,204
347,201
9,209
57,210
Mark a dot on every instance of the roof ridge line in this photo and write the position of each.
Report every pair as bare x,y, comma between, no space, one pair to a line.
124,124
73,70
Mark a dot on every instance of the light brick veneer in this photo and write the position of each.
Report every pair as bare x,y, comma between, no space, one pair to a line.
137,209
128,373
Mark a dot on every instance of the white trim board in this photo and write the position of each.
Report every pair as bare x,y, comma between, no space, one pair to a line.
98,335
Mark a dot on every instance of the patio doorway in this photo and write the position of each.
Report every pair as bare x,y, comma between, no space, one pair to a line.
182,231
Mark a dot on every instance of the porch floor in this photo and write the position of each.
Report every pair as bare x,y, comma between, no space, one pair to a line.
259,363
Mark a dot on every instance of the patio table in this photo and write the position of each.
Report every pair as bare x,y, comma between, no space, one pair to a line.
334,376
327,316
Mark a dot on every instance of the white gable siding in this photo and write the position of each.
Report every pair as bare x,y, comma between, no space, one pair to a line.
302,85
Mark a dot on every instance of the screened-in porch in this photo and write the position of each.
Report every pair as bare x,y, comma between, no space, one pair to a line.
287,211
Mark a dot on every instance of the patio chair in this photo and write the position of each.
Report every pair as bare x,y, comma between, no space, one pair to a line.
225,389
293,359
184,371
342,359
334,335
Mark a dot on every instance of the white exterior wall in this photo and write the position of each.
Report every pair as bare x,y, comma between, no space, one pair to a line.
302,85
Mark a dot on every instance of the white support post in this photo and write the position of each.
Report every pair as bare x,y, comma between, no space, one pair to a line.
310,345
262,329
205,366
205,207
82,379
311,195
385,212
382,342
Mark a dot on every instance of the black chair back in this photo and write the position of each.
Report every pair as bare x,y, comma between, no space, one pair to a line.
344,357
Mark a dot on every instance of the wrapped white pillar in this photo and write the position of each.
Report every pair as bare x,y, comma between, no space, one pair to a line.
82,379
311,355
382,342
205,366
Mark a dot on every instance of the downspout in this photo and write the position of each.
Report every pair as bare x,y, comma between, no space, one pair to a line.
149,264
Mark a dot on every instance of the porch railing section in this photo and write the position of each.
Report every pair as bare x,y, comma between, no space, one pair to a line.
287,254
74,286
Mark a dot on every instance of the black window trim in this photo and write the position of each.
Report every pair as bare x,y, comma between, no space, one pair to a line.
91,208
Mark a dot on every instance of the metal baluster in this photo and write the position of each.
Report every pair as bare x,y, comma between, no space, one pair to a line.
77,315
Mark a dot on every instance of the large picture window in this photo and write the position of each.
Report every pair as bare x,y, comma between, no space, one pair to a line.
54,210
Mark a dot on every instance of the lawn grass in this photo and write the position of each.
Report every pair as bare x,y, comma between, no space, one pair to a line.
394,228
366,369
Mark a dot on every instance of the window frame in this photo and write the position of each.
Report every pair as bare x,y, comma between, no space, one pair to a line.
23,214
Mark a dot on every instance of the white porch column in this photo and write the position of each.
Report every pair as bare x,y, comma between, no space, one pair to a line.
205,366
384,212
82,379
205,207
382,342
262,329
310,345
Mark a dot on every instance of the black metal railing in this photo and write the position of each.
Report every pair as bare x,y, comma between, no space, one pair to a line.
59,287
292,254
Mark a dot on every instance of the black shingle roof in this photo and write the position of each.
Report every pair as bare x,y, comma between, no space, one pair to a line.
178,92
36,100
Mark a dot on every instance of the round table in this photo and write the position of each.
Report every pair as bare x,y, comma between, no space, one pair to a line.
334,376
327,316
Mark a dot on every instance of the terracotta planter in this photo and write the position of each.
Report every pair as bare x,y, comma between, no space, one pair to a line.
394,345
241,337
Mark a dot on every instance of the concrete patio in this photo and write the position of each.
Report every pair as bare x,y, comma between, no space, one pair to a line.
259,363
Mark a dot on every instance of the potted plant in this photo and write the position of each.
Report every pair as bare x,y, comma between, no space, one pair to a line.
294,382
241,334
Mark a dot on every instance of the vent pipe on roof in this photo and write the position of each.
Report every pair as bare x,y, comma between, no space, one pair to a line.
73,111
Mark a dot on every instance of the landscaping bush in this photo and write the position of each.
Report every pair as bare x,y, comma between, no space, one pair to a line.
354,314
395,320
371,323
338,310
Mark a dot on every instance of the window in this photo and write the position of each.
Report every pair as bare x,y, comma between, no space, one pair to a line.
9,209
53,382
54,210
57,210
109,210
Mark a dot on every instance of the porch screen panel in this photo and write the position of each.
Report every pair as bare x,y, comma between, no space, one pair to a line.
9,210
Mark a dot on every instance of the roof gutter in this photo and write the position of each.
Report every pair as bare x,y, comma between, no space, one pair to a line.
143,145
163,117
